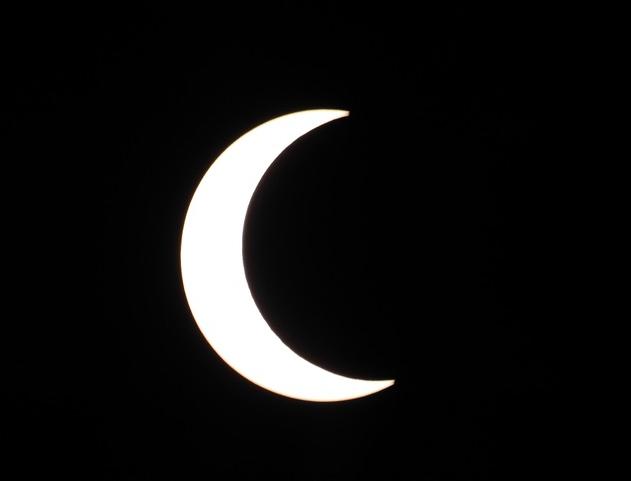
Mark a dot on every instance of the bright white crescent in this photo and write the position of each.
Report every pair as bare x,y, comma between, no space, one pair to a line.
214,275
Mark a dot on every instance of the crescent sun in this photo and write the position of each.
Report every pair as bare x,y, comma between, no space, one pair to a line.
214,277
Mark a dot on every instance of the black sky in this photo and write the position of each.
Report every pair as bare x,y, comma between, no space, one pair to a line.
409,241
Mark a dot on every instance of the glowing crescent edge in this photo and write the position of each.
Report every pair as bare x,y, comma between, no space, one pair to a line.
214,278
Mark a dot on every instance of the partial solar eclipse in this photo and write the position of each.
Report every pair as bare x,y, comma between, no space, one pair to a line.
214,275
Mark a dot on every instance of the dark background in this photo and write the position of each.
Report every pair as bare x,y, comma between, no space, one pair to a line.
411,240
